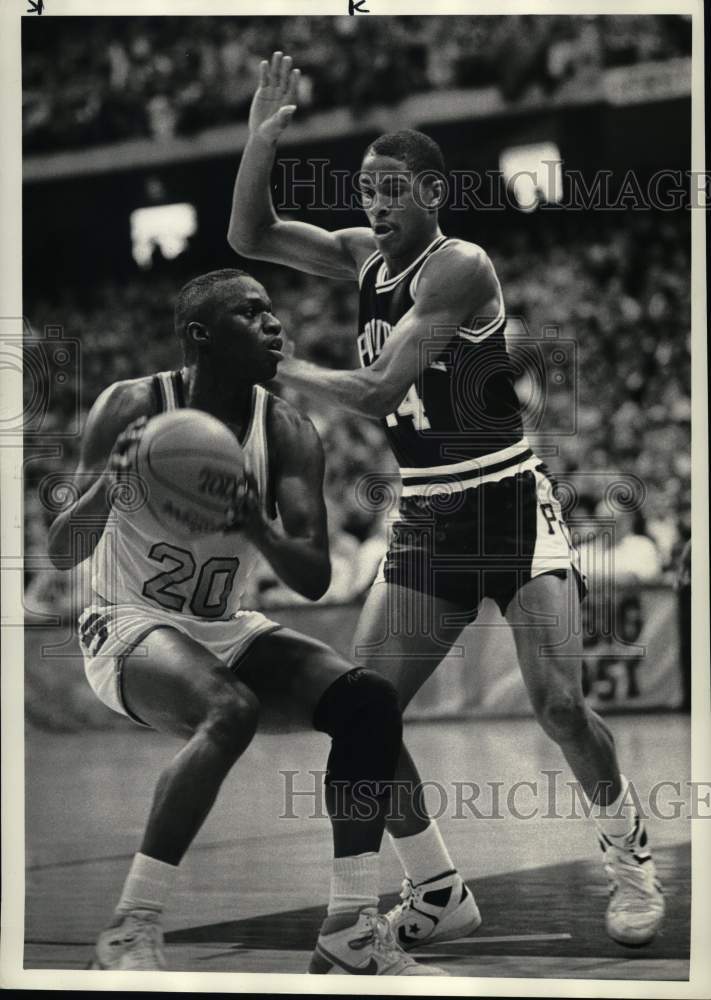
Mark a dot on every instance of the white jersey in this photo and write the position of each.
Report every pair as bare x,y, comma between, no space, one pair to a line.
139,562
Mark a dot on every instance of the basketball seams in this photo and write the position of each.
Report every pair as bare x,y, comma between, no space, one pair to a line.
152,458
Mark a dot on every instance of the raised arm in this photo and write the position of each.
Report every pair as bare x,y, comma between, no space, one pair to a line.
457,287
298,554
75,531
255,230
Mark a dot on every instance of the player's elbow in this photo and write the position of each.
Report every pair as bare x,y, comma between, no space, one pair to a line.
318,580
248,240
56,561
56,549
321,583
240,241
315,593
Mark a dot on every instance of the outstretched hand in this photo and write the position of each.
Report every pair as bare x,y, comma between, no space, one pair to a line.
274,102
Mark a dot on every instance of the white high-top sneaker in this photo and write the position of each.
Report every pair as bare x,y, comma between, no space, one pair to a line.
360,943
134,943
636,908
440,909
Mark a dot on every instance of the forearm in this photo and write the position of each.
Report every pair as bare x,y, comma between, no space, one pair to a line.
354,390
302,565
252,208
75,532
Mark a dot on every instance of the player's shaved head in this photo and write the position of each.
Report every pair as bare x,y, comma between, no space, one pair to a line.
420,153
197,300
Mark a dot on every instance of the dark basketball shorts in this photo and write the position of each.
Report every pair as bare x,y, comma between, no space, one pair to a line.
484,541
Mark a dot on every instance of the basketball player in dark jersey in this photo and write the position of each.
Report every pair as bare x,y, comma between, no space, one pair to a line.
478,516
172,650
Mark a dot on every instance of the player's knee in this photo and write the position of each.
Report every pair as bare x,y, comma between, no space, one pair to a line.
232,719
358,698
360,711
563,715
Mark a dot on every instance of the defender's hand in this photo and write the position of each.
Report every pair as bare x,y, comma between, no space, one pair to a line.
274,102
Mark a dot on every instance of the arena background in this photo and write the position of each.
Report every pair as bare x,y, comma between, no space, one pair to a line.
131,143
144,113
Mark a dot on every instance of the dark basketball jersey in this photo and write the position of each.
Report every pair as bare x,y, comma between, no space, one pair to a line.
464,404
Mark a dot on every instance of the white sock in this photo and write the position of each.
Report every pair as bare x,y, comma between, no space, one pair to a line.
423,855
147,885
617,819
354,882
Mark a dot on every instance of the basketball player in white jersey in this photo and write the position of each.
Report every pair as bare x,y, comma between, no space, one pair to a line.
477,515
167,643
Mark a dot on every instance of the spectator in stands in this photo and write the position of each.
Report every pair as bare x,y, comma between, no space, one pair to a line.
636,558
616,551
193,73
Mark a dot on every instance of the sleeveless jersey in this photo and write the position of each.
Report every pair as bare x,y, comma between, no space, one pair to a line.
138,561
463,410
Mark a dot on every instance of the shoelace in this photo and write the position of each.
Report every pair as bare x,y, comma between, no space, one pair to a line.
385,943
628,875
407,895
381,937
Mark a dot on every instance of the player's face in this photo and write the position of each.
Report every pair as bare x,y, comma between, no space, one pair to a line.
246,336
395,203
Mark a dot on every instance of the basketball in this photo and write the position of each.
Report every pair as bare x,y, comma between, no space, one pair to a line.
192,468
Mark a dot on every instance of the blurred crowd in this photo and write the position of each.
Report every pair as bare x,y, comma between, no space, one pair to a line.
120,78
617,287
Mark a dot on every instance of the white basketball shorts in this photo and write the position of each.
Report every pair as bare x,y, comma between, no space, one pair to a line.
109,633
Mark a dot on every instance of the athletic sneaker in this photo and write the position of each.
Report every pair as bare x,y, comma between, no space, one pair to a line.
361,943
134,943
636,907
438,909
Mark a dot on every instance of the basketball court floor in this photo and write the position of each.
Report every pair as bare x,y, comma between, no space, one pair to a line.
254,885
